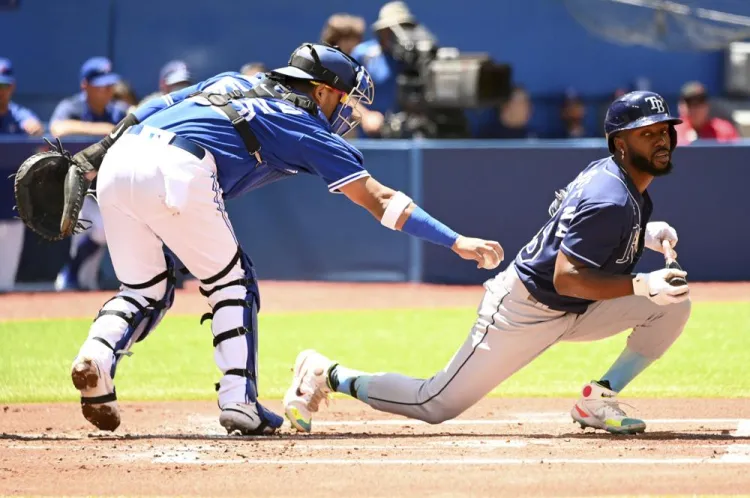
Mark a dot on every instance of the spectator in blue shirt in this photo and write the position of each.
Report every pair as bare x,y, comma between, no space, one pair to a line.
375,56
14,119
92,111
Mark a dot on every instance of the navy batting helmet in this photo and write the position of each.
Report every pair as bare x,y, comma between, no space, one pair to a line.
636,110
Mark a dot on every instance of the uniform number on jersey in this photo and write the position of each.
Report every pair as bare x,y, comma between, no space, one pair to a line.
250,107
531,250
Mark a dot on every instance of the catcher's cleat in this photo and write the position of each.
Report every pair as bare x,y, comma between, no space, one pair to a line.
249,419
98,398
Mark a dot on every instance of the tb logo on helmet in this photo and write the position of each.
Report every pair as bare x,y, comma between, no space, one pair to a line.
657,104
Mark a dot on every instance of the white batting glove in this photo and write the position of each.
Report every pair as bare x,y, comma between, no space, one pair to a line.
658,231
655,286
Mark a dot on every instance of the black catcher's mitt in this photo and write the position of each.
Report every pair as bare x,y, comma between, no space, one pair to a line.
50,188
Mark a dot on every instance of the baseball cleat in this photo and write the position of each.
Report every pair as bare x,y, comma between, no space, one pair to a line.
309,387
98,398
598,408
249,419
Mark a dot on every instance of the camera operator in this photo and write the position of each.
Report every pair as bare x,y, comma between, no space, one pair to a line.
377,57
423,90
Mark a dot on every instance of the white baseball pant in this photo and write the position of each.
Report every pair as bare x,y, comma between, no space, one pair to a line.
152,193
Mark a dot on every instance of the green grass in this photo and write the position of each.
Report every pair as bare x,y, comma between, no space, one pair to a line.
176,362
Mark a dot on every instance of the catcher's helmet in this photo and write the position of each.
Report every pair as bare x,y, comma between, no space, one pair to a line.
329,65
636,110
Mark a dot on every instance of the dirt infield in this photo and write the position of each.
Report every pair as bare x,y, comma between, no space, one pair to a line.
500,447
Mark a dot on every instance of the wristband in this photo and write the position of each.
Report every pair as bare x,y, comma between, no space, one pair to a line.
398,203
421,224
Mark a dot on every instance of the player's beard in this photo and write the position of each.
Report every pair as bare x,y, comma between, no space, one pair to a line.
643,163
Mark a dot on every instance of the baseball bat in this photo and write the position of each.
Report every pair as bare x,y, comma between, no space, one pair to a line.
672,263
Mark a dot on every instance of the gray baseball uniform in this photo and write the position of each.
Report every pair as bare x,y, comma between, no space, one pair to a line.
599,223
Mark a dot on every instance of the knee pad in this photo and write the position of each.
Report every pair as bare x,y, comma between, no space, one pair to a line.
140,313
234,298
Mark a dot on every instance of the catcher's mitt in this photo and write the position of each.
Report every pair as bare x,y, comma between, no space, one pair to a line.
50,188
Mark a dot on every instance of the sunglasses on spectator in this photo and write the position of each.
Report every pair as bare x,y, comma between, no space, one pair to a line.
3,86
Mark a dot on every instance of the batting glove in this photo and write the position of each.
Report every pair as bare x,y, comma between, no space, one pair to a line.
658,231
656,286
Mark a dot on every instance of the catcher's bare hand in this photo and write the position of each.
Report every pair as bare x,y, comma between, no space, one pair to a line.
487,253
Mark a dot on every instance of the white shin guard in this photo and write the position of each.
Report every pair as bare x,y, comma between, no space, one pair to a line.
128,318
233,297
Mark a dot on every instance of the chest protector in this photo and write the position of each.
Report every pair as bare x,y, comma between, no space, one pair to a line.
265,89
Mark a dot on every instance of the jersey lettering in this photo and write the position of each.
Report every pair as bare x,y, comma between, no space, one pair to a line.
248,108
632,249
567,214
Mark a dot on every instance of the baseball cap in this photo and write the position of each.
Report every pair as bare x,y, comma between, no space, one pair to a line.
6,72
392,14
174,72
693,90
97,71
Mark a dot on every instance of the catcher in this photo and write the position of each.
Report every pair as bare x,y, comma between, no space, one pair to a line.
168,168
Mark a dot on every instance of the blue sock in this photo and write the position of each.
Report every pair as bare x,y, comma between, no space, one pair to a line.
627,367
349,381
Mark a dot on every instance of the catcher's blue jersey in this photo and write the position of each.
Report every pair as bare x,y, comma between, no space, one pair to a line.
292,140
599,224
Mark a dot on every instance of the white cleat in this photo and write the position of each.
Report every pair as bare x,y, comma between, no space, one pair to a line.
598,408
309,387
98,398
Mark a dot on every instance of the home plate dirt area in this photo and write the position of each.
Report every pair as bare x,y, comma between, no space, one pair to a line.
499,447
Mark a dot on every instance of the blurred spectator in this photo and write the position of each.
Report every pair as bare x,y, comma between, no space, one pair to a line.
697,122
253,68
573,113
93,111
344,30
377,58
124,93
512,118
14,118
173,76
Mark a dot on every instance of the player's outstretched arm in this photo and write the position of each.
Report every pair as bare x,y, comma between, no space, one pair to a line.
396,210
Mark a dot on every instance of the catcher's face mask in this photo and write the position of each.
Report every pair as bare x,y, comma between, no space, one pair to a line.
326,65
346,116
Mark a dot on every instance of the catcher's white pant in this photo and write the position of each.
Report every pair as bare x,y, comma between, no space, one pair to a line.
151,193
511,330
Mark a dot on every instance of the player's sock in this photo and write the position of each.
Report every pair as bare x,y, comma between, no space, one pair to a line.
349,381
626,368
